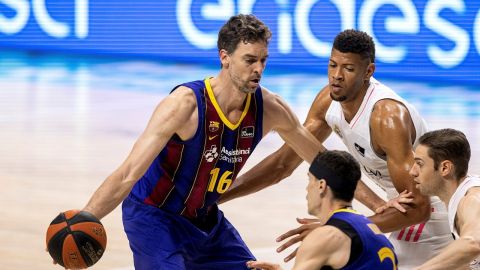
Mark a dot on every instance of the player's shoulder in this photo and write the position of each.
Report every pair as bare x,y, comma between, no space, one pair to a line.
268,95
183,90
183,93
182,99
469,206
329,234
322,101
272,101
386,111
389,106
472,197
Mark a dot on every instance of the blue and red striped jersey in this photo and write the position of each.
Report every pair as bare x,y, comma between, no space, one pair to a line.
189,176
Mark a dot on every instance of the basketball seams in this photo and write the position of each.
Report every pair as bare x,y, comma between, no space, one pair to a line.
93,229
71,254
53,229
70,214
76,239
83,216
55,246
91,251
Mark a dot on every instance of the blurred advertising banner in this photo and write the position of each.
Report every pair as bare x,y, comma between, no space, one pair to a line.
430,40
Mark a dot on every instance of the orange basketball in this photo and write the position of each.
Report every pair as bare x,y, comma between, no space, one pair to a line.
76,239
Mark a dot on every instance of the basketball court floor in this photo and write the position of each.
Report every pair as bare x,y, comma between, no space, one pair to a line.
67,122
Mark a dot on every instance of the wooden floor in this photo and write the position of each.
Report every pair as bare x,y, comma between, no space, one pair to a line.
65,124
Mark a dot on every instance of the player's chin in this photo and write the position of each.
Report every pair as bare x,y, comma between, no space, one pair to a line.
422,190
250,89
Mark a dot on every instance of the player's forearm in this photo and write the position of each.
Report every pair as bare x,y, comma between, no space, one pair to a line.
367,197
268,172
457,255
392,220
109,195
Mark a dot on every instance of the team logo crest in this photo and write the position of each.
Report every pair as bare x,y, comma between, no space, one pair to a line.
214,126
360,149
211,154
247,132
336,129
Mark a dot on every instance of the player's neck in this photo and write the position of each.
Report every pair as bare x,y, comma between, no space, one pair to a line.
228,97
449,189
351,107
329,207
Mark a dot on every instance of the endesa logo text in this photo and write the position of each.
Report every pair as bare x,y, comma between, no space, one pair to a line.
447,50
18,12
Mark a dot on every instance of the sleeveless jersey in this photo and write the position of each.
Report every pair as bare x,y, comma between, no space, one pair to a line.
462,189
356,134
188,177
376,253
432,235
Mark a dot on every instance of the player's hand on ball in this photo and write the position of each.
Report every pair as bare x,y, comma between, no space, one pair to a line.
297,235
76,239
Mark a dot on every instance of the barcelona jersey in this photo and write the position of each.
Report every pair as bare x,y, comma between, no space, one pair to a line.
370,248
188,177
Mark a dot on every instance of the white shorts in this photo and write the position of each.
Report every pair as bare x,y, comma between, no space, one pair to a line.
416,244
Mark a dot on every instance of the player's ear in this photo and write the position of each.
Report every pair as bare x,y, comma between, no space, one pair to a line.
446,168
370,71
224,58
322,186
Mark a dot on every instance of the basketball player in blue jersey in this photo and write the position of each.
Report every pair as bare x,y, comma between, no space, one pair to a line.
348,240
191,151
380,129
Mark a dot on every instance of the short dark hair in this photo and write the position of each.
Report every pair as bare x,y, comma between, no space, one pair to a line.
355,41
448,144
242,28
340,170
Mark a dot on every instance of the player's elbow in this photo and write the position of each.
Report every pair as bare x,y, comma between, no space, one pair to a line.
471,248
128,177
281,172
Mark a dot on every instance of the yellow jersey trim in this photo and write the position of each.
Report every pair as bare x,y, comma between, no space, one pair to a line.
219,110
343,210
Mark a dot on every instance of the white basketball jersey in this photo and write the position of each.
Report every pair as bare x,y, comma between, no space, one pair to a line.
356,134
417,243
469,182
462,189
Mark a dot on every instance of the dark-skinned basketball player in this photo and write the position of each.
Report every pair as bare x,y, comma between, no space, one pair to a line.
380,130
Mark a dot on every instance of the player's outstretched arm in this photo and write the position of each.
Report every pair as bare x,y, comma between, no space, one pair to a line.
466,249
393,132
168,118
269,171
284,161
325,245
368,197
280,118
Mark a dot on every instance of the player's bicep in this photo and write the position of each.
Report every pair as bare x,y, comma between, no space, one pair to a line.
467,215
315,121
284,121
167,119
278,115
392,131
317,248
